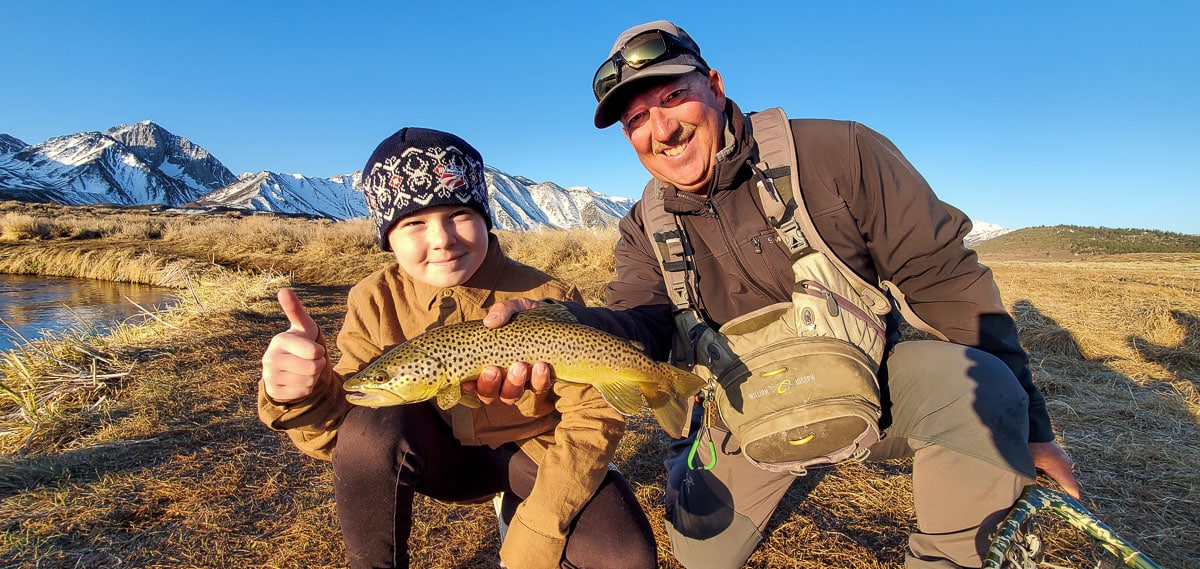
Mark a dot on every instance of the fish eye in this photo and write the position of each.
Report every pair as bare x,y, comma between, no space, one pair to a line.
379,378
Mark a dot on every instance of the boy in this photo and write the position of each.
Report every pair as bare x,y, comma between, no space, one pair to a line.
427,196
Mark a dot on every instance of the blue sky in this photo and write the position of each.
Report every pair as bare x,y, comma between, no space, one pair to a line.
1019,113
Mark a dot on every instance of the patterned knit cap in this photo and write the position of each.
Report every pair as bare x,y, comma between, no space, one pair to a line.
418,168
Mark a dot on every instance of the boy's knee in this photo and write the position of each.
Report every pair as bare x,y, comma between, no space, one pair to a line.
370,443
355,458
629,558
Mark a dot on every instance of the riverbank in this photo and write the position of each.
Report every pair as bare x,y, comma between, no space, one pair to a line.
157,458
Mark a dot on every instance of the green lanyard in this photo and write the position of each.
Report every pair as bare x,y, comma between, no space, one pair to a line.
705,434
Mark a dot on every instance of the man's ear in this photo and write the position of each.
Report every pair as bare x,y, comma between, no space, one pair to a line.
717,86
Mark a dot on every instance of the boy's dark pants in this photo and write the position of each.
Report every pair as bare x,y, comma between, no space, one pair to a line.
958,412
385,456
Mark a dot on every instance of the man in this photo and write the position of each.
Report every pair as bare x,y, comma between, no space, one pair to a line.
965,410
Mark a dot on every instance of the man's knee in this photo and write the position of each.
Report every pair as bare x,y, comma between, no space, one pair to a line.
727,545
962,398
931,378
705,530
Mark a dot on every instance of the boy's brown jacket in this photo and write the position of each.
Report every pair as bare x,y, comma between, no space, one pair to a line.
572,434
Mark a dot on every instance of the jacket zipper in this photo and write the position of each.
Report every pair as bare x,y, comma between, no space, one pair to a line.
729,244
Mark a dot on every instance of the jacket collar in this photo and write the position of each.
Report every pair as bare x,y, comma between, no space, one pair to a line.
727,171
476,290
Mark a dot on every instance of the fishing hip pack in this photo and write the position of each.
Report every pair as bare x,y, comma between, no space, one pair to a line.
796,382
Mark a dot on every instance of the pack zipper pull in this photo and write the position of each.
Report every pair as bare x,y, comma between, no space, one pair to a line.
831,304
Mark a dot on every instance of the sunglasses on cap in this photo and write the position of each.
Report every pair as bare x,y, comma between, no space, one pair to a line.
643,50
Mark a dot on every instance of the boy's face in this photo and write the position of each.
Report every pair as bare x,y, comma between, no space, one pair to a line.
442,245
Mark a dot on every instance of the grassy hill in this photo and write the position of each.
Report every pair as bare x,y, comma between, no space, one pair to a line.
1065,241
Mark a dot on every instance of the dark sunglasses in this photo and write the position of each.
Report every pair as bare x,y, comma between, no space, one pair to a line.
649,48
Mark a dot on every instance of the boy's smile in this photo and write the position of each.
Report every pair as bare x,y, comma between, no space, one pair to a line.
441,246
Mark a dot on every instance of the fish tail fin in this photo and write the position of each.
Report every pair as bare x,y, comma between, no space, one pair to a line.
672,401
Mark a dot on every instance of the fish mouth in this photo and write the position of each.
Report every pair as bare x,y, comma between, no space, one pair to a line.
369,399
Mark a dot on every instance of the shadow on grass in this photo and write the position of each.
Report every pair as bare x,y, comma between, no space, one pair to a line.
1124,434
87,465
1183,361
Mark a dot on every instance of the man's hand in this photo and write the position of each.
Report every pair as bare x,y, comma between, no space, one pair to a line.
508,386
1054,461
501,312
293,361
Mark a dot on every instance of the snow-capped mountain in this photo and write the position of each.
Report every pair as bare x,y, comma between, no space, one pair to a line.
175,156
982,231
519,203
145,164
9,144
127,164
333,197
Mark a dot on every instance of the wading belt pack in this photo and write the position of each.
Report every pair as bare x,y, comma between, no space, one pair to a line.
795,382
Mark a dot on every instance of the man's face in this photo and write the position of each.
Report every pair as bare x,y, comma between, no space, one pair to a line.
677,128
441,245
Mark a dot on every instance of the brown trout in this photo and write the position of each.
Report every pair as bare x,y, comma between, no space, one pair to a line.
434,364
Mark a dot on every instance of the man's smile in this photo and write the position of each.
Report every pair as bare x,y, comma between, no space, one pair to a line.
678,143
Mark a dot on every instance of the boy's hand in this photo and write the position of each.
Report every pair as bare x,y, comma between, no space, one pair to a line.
293,361
508,386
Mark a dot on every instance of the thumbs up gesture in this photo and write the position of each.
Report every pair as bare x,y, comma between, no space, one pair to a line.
293,361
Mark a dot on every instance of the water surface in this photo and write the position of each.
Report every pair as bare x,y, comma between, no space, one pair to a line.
35,304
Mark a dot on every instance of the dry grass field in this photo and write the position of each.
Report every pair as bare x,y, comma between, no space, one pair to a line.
142,448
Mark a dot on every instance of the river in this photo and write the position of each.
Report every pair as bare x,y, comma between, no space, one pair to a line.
35,304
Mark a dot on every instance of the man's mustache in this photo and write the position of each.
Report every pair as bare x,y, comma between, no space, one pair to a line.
684,133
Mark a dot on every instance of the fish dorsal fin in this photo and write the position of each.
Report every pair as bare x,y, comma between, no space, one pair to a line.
624,396
548,313
449,396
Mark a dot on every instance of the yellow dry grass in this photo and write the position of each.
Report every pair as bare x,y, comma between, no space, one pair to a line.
142,449
579,256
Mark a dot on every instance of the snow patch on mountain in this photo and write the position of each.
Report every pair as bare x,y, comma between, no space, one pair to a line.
519,203
175,156
333,197
982,231
10,144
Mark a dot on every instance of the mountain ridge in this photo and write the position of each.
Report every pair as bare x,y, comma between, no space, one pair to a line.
145,164
1074,241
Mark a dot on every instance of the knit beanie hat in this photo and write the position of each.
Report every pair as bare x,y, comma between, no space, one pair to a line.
418,168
